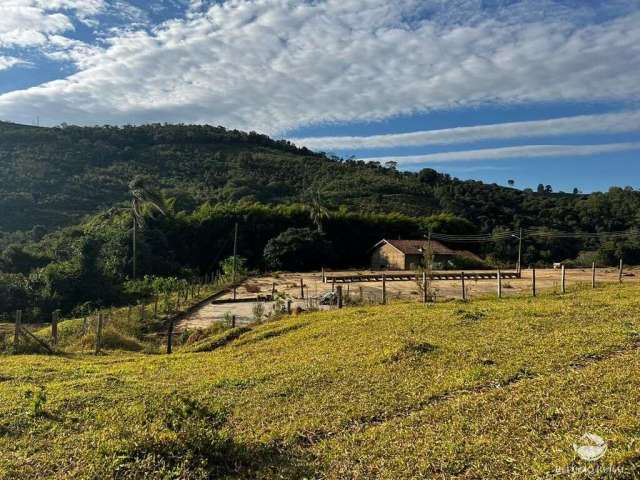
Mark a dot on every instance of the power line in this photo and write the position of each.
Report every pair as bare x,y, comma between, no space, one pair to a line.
533,233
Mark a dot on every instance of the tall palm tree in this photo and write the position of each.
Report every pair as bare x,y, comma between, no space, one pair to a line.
317,212
143,195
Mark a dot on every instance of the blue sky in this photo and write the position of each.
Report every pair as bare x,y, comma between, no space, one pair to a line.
535,91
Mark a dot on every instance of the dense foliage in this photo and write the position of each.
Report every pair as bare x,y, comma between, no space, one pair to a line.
93,261
297,249
54,176
213,178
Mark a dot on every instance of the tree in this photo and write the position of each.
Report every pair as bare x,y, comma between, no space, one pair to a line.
143,197
429,176
391,165
298,249
511,182
317,212
37,232
540,188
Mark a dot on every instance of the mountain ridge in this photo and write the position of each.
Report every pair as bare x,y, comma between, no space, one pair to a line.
54,176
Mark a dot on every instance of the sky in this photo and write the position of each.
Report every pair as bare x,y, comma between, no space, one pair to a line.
529,92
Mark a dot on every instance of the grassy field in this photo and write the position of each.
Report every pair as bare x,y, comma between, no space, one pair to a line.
489,389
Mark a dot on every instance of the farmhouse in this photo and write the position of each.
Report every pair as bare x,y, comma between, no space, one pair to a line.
409,254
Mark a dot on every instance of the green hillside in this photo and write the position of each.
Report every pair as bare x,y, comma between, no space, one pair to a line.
492,389
54,176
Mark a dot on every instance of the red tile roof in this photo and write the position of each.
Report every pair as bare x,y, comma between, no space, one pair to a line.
416,247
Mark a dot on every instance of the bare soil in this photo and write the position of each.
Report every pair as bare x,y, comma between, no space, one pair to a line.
371,292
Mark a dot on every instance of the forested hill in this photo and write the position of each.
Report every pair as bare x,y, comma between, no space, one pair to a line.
54,176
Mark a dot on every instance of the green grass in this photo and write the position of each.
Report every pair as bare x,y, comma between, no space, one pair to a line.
489,389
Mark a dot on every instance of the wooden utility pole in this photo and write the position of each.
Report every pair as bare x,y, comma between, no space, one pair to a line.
384,289
235,264
339,296
520,253
464,291
533,281
54,327
135,248
563,279
593,275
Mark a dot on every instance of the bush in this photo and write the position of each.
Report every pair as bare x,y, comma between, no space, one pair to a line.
298,249
465,263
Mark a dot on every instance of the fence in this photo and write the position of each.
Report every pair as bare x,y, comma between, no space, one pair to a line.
357,289
139,325
154,322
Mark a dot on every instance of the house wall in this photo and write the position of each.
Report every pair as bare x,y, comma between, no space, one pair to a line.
386,256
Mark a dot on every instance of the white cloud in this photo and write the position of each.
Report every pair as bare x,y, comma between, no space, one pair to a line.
8,62
605,123
505,153
274,65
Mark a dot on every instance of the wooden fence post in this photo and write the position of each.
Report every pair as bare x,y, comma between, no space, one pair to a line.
54,327
324,278
339,295
273,289
499,284
593,275
301,288
620,272
361,293
563,279
170,337
289,307
16,337
425,288
464,291
533,281
98,333
233,321
333,284
384,289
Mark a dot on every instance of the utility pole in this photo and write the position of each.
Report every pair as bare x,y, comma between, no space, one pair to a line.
134,247
520,253
235,261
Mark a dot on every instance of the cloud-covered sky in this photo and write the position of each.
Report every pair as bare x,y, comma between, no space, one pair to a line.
533,90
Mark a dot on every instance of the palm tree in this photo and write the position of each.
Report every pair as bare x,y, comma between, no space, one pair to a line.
143,195
317,212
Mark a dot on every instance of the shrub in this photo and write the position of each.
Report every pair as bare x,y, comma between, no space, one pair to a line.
297,249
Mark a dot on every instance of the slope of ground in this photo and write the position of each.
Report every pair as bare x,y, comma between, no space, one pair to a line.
55,176
490,389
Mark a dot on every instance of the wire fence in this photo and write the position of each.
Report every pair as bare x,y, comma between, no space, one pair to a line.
144,325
